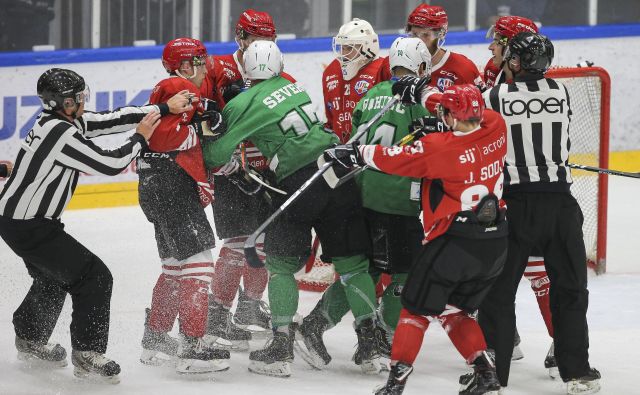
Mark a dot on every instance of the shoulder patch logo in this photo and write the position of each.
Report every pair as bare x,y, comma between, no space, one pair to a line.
444,83
361,87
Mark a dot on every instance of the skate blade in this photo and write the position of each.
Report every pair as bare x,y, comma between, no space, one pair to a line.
157,358
196,367
578,388
517,354
313,359
554,373
95,377
34,362
276,369
371,367
224,344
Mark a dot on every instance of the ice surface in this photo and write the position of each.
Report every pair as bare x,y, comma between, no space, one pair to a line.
124,241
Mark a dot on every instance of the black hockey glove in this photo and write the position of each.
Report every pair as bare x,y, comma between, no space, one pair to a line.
347,155
209,125
232,90
409,88
245,183
426,125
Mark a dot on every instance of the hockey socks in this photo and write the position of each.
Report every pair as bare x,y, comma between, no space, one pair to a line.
283,289
465,334
358,285
164,303
390,305
536,273
408,337
255,281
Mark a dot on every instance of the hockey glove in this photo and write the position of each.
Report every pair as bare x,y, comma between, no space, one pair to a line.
209,125
245,183
347,155
232,90
409,88
426,125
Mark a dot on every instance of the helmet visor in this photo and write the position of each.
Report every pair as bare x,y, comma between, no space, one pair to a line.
346,51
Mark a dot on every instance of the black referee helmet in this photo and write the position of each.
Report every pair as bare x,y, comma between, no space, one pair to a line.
533,51
55,85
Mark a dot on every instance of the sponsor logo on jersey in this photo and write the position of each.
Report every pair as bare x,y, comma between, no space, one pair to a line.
532,107
229,73
330,77
468,156
331,85
361,87
491,147
366,76
444,83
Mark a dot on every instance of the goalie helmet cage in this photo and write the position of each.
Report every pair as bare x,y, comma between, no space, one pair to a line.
590,94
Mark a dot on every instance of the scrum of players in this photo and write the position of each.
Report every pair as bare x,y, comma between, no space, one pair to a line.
252,139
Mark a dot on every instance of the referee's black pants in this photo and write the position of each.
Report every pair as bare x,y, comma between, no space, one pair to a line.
551,223
59,264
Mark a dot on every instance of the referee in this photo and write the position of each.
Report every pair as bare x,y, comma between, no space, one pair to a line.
542,213
42,182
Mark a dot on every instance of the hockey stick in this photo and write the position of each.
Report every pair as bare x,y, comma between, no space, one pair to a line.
604,171
252,173
250,244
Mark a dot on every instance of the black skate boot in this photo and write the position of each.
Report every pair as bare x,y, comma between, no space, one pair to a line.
197,357
276,356
312,348
252,313
483,380
222,332
517,352
158,348
397,380
48,354
92,365
550,363
587,384
367,355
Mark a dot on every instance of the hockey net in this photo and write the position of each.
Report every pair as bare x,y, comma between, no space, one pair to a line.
590,93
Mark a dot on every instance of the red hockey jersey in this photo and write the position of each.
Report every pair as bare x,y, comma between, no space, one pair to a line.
175,134
454,69
458,169
491,74
341,97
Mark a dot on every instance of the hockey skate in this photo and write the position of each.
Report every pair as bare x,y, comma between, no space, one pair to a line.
312,349
196,357
93,366
517,352
483,380
158,348
222,332
550,363
45,355
587,384
276,356
253,315
367,355
397,380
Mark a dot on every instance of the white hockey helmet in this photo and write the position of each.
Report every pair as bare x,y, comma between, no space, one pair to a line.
262,60
355,45
410,53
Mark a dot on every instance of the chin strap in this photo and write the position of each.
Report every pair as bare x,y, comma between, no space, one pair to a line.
195,73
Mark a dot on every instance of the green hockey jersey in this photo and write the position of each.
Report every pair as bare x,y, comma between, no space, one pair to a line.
278,118
381,192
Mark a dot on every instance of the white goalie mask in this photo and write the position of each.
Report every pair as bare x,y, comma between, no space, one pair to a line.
262,60
410,53
355,45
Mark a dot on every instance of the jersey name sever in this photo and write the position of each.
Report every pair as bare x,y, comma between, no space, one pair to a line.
457,169
537,112
277,117
382,192
341,97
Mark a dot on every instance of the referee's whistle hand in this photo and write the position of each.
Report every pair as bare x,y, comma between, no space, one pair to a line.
148,125
181,102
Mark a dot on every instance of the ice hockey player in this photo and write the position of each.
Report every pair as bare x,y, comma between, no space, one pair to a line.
392,206
464,224
238,211
173,192
32,201
356,69
430,24
276,116
544,218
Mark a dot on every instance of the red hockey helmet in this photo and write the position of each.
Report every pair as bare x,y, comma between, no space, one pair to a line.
509,26
256,23
428,16
464,102
182,49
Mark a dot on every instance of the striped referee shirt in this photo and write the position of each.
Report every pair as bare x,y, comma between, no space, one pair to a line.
537,112
55,151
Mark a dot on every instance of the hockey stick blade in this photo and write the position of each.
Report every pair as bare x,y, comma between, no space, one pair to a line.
251,255
604,171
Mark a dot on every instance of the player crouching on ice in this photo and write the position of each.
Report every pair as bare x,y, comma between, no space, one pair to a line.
277,117
465,231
